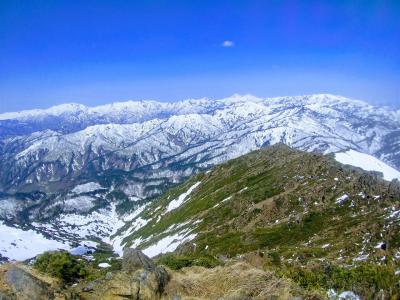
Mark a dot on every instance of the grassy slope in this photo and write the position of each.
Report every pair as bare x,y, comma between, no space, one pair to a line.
282,202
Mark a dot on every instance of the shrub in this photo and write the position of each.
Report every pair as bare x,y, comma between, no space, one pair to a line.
178,262
61,265
175,262
275,258
366,280
206,261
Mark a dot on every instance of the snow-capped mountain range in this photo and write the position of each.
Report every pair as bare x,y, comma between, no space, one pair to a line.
72,160
53,147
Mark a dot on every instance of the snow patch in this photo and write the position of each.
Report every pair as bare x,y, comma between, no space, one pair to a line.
368,163
342,199
87,187
80,203
104,265
226,199
168,244
243,189
346,295
179,201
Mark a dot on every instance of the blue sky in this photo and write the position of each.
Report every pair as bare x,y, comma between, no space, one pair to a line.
95,52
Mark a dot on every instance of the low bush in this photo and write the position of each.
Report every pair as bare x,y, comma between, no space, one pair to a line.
367,280
206,261
176,262
61,265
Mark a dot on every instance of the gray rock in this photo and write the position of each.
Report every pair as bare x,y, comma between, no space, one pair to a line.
394,188
26,286
89,287
109,276
162,278
134,259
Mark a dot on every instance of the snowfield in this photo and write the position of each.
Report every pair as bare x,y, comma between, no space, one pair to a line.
18,244
168,244
87,187
368,163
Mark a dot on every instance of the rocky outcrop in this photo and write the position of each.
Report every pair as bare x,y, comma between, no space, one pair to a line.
369,182
25,286
394,188
134,260
140,279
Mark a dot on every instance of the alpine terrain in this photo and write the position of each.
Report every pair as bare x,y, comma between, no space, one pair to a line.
301,194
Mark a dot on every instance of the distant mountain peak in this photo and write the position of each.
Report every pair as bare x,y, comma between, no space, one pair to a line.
144,105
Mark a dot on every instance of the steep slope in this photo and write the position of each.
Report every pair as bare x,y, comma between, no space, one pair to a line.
300,212
277,199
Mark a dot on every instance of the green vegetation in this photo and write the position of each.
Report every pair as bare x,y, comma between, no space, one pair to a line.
61,265
366,280
275,258
176,262
282,236
69,268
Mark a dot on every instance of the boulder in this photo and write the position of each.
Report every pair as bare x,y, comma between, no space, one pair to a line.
139,285
133,260
394,188
109,276
153,278
162,277
89,287
26,286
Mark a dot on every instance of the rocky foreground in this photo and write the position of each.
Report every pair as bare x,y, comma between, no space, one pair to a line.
141,278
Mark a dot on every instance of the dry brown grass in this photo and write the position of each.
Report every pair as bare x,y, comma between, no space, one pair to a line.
3,285
236,281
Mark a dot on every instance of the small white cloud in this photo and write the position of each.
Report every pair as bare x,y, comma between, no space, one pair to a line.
227,44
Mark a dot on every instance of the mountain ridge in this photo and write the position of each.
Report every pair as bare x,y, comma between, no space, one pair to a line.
68,147
274,174
141,105
75,106
76,182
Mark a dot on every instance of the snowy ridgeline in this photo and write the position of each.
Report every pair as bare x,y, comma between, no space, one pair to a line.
72,234
69,231
195,133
